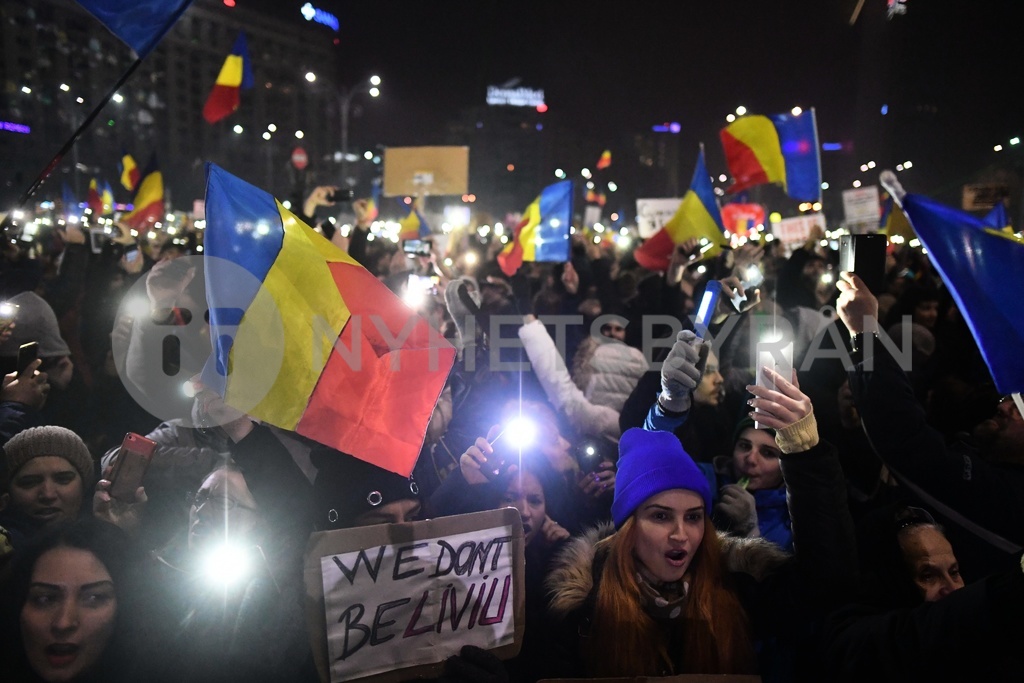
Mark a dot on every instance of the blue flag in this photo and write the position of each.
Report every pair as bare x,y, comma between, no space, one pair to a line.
139,23
67,197
983,269
997,218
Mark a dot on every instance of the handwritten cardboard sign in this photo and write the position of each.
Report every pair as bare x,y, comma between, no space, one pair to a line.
392,602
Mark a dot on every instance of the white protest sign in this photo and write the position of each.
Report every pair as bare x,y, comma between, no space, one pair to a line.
861,205
591,215
397,600
794,231
652,214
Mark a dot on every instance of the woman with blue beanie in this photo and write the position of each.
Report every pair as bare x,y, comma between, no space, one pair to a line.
663,593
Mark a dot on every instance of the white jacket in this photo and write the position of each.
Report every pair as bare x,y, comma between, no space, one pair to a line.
607,372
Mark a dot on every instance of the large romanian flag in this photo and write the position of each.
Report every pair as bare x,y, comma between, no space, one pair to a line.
697,217
235,75
148,202
139,23
543,232
984,271
318,345
780,149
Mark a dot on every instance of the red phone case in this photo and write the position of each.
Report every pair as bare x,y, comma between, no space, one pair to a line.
130,468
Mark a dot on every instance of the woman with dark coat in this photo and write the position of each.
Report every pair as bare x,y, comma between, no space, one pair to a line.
664,594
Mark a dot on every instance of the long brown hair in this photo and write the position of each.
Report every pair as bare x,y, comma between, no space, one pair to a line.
714,633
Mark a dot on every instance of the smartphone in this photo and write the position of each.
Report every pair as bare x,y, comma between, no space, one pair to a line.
130,466
864,255
340,196
27,353
416,247
752,279
131,255
772,352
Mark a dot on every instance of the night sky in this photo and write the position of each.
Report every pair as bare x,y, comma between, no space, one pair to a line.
949,71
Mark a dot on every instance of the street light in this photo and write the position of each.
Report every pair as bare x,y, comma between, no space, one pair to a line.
345,105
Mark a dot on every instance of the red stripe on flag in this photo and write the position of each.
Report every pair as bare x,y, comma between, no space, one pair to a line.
743,164
223,101
398,388
654,254
510,262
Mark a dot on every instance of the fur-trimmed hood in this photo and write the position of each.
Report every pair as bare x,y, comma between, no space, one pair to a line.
571,579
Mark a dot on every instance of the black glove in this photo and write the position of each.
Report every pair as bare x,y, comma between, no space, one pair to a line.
522,294
474,665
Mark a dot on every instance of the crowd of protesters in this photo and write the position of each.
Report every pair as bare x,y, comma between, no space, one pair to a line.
857,519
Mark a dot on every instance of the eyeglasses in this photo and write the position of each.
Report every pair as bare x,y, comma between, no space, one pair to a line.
218,503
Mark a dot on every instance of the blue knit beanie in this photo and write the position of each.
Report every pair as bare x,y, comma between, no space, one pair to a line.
649,463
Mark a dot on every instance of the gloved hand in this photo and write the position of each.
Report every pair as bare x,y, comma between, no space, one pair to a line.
474,665
681,373
738,510
463,303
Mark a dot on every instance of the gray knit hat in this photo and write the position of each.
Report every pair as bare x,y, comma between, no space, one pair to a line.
50,440
36,322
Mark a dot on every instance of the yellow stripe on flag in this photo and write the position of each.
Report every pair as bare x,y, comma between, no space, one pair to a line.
231,73
759,134
299,290
691,220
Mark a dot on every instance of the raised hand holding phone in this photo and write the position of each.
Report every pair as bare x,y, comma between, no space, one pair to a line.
781,405
130,467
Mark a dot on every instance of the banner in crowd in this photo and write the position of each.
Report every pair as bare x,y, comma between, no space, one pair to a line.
426,171
392,602
359,371
740,219
652,214
793,232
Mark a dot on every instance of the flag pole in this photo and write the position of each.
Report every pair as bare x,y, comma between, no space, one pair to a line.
46,172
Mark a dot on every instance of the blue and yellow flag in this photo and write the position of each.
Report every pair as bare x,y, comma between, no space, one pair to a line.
983,269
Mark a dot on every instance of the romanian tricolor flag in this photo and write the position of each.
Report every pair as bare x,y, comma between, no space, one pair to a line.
984,270
414,225
107,197
93,198
605,161
312,341
130,174
543,233
148,202
698,217
235,75
780,149
139,23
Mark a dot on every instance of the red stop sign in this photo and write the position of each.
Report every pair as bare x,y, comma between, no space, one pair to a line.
299,158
